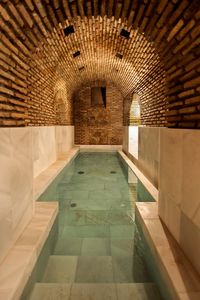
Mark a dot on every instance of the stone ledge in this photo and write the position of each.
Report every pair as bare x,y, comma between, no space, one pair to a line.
180,276
18,265
148,185
99,148
42,181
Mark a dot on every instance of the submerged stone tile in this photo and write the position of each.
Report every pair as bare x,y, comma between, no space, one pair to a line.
94,269
90,204
122,231
137,291
93,291
68,247
87,231
46,291
120,217
60,269
96,217
122,247
95,246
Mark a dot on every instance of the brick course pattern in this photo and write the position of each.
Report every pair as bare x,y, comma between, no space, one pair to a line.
96,125
160,59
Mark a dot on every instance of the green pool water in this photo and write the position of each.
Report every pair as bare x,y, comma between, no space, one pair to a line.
98,246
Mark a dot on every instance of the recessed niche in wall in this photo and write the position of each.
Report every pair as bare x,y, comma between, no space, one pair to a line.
98,96
69,30
77,53
125,33
135,113
119,55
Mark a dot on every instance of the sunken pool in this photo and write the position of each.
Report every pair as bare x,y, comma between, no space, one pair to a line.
95,250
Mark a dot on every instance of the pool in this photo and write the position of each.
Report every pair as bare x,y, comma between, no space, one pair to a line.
98,247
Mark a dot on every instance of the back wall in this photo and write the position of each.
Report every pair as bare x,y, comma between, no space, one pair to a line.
98,125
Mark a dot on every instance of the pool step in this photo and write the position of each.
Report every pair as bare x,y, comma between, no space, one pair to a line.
94,269
95,291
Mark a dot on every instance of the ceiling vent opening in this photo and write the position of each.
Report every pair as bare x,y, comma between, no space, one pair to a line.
125,33
119,55
69,30
81,68
77,53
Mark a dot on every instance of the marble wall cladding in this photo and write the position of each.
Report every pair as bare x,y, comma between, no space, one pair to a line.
44,147
16,184
64,138
148,152
24,154
179,188
142,145
48,143
133,141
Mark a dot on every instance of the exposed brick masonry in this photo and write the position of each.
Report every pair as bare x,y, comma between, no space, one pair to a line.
160,59
98,125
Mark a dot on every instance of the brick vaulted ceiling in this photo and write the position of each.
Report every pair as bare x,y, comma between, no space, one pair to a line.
41,66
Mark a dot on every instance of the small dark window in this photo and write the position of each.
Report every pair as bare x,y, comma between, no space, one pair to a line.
118,55
68,30
125,33
77,53
98,96
81,68
103,92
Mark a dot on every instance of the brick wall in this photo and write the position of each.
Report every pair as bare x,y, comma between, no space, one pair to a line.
98,124
160,59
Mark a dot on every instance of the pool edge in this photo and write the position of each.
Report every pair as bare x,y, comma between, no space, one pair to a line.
180,277
18,265
153,191
42,181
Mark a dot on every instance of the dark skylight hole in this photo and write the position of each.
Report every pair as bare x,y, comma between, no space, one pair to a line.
68,30
125,33
81,68
118,55
77,53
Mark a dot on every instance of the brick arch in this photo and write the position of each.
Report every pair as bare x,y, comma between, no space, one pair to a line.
170,27
97,60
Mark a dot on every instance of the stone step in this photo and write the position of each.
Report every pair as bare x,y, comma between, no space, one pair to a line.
95,269
94,247
95,291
